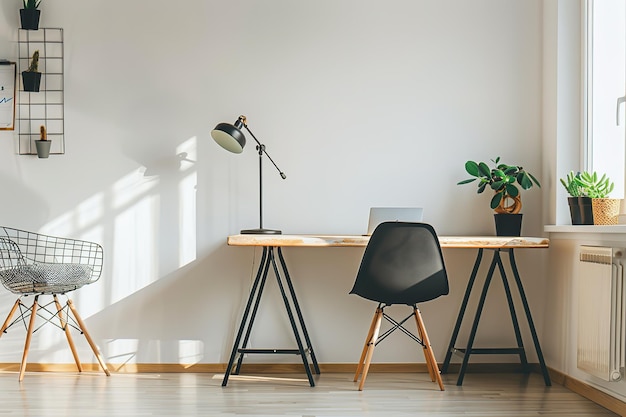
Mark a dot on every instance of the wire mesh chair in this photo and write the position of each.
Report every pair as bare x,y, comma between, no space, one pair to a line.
402,264
41,265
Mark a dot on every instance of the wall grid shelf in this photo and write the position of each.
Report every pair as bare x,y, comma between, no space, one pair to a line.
45,107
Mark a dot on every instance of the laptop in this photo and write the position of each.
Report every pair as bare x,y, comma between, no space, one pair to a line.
379,215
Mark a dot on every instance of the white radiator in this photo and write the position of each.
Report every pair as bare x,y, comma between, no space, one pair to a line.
601,312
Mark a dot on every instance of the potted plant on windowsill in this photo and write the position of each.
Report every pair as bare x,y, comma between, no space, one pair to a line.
29,15
605,209
579,202
31,78
504,181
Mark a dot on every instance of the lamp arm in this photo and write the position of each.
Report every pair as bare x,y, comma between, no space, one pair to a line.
262,150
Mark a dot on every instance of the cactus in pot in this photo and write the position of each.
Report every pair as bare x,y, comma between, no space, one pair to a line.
43,144
31,78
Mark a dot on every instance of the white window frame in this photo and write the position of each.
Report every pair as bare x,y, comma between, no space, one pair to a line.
605,153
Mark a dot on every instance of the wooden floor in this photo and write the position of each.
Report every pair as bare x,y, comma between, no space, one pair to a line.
193,394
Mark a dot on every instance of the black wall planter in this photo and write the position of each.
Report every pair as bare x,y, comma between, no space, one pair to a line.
29,18
31,81
508,224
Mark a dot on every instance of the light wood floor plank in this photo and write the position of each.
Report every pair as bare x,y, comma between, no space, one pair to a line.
386,394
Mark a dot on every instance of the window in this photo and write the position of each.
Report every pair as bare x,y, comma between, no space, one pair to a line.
605,82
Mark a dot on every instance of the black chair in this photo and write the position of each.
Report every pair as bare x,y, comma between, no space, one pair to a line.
402,264
33,264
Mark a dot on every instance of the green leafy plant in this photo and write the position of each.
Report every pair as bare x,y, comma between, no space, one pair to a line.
503,179
34,63
595,186
573,185
31,4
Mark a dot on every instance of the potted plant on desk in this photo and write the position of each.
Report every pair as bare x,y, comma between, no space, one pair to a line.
579,202
504,180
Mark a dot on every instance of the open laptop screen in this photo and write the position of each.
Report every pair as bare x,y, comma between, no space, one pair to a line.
393,214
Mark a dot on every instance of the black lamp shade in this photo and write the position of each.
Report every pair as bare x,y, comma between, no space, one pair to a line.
229,137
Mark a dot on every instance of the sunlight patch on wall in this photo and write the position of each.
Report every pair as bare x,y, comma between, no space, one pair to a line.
81,222
145,221
190,351
134,247
187,219
131,351
187,202
131,188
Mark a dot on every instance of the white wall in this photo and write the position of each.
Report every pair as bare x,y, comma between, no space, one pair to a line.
360,103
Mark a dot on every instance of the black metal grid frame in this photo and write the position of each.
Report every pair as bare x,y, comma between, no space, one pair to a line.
45,107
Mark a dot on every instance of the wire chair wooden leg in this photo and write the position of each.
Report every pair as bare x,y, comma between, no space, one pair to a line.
431,361
29,334
66,330
365,345
10,316
370,347
83,329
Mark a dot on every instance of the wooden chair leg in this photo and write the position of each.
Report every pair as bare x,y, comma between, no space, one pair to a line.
429,360
365,345
10,316
83,329
428,350
29,333
66,330
370,347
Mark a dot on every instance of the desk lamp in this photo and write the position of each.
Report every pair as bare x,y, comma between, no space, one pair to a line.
231,138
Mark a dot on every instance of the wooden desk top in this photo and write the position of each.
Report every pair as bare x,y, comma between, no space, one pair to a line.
487,242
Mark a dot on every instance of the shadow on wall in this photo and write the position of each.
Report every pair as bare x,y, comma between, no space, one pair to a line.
156,301
146,222
172,316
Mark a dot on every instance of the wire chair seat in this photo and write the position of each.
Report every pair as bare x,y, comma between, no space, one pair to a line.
46,278
41,265
32,263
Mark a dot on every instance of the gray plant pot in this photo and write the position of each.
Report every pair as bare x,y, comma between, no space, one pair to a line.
43,148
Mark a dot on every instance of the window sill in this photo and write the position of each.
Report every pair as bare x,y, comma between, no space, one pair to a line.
589,229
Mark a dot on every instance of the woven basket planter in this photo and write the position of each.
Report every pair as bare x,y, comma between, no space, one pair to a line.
605,210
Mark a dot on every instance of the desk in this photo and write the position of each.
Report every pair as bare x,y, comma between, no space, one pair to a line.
272,245
519,350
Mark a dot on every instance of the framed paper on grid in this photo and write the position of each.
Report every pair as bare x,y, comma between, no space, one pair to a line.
8,75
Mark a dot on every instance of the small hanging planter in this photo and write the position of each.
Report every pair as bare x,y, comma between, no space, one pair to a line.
31,78
43,144
29,15
31,81
29,18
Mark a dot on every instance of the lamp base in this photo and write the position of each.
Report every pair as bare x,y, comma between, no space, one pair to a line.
261,232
